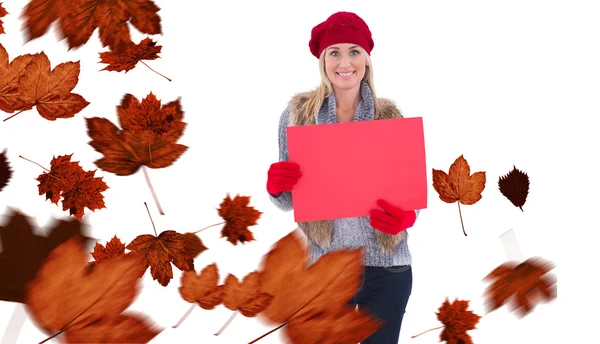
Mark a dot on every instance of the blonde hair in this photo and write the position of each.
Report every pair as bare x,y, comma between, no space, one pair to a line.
311,106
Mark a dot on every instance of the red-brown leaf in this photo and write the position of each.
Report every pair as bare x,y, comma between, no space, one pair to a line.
202,288
133,53
5,170
238,217
113,249
11,98
457,321
515,187
2,14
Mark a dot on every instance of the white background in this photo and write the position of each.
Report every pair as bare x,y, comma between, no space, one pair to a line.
511,82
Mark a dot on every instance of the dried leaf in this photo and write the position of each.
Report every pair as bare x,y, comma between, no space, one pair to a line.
202,288
23,252
10,73
159,252
133,53
130,327
78,19
65,297
523,285
515,187
114,248
238,217
457,321
5,170
193,245
246,296
2,14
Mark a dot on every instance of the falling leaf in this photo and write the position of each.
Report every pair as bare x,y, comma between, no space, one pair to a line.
159,252
246,296
79,189
23,252
10,73
515,187
305,296
78,20
114,248
133,53
147,138
193,245
5,170
2,14
65,297
459,185
457,321
522,285
238,217
202,288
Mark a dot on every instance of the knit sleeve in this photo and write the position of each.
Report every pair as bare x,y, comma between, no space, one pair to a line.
284,200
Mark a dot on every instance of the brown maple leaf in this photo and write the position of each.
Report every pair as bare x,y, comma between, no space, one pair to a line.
159,251
238,217
114,248
5,170
133,53
23,252
78,19
193,245
457,321
523,285
66,297
10,73
245,297
515,187
311,297
202,288
79,189
459,185
2,14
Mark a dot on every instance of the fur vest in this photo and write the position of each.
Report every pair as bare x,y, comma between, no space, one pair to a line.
321,232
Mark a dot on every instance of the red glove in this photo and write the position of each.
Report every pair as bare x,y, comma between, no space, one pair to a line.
282,176
393,220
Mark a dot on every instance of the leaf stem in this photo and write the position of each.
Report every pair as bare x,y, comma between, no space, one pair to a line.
268,333
185,316
150,216
155,71
54,335
20,156
152,190
216,224
461,219
6,119
227,323
433,329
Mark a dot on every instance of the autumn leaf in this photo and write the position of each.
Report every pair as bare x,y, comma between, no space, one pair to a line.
457,321
133,53
23,252
522,285
79,189
238,217
10,73
5,170
304,296
78,19
159,251
84,305
193,245
202,288
2,14
459,185
515,187
245,297
114,248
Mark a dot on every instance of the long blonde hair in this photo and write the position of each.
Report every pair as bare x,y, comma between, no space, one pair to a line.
311,107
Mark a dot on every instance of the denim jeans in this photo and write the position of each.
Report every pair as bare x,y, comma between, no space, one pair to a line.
384,293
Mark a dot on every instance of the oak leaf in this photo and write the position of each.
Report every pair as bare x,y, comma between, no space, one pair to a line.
133,53
159,252
65,296
5,170
246,296
515,187
202,288
457,321
459,185
307,297
78,19
23,252
238,217
79,189
114,248
522,285
2,14
10,73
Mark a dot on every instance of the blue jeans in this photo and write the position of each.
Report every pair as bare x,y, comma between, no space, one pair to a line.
384,294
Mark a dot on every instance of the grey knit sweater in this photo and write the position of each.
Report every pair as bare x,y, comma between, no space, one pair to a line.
352,232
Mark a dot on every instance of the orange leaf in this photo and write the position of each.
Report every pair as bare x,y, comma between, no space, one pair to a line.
202,288
238,217
114,248
10,73
523,285
78,19
129,327
457,321
193,245
64,296
159,252
133,53
459,185
5,170
78,188
2,14
246,296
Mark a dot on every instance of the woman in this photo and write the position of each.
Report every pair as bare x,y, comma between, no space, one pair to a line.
343,44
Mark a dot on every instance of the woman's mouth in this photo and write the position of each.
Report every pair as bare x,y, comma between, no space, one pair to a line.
345,75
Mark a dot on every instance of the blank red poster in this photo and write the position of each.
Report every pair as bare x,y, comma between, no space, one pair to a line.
346,167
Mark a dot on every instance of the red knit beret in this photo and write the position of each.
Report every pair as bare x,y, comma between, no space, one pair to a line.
341,27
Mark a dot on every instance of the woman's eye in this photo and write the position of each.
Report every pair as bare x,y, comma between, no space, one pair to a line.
354,51
333,53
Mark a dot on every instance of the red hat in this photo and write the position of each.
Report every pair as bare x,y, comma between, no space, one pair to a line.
340,27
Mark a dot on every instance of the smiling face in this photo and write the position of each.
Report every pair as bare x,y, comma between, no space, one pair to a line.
345,65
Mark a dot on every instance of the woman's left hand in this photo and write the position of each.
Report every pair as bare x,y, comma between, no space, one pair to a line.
393,220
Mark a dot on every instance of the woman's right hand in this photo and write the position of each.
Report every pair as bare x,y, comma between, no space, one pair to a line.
282,176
